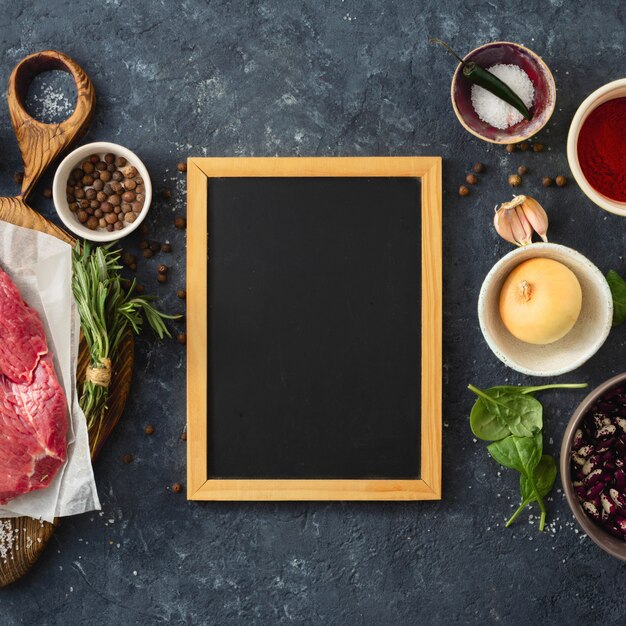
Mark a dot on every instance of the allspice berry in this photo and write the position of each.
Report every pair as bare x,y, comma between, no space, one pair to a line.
182,167
177,488
182,339
149,429
538,147
180,222
511,147
478,168
162,278
127,458
147,253
166,194
18,178
515,180
47,193
546,181
182,294
471,179
522,169
166,247
524,146
561,181
162,269
463,191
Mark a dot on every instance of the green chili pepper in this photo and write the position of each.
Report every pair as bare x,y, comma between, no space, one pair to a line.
484,78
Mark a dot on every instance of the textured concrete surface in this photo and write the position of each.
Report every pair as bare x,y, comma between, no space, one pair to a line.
323,78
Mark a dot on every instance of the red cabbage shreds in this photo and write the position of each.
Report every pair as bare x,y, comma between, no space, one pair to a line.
597,462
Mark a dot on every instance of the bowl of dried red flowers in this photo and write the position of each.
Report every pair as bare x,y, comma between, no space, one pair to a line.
593,459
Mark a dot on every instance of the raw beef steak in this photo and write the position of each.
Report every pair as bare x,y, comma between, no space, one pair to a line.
33,410
22,337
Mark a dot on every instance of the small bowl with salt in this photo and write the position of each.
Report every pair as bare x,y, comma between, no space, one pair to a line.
488,117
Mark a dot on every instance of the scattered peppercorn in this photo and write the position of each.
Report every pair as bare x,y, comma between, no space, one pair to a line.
143,244
133,267
128,258
478,167
471,179
149,429
177,488
182,294
182,339
511,147
515,180
180,222
155,246
561,181
127,458
183,435
166,194
162,278
18,178
162,269
147,253
463,191
47,193
538,147
524,146
144,229
546,181
139,288
182,167
166,247
522,169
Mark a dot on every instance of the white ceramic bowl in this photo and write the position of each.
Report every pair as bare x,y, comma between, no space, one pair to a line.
72,161
568,353
616,89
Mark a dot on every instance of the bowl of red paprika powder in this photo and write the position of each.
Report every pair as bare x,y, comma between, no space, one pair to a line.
596,147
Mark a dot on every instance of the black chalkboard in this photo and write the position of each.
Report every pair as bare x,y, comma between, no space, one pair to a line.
314,302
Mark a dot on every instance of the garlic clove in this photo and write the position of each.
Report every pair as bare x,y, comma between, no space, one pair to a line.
536,215
513,226
516,220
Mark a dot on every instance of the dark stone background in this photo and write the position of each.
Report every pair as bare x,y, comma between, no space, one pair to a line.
176,79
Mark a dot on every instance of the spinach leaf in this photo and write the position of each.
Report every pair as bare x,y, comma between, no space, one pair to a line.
486,424
544,476
519,453
531,390
501,410
618,290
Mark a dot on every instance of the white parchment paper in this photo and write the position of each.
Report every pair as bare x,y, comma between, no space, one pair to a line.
41,267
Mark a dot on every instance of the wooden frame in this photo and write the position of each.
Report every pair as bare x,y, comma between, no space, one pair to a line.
199,485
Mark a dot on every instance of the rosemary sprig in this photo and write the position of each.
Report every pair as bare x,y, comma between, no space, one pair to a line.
107,311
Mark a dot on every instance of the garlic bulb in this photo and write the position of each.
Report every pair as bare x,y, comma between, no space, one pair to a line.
516,220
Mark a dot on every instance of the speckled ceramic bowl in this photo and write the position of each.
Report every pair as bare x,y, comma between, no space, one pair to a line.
538,72
580,344
600,537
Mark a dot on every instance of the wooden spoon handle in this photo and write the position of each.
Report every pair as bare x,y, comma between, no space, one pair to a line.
40,144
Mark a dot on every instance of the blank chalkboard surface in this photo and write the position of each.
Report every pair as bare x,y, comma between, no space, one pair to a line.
311,357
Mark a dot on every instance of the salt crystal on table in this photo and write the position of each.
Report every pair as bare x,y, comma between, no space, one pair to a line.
497,112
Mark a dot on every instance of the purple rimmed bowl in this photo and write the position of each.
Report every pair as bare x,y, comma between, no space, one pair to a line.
612,545
539,74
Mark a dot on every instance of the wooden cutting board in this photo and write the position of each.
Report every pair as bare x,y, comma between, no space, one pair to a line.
24,538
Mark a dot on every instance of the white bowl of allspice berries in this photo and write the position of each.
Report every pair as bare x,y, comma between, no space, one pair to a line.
102,191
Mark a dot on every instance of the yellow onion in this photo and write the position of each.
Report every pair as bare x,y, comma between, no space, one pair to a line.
540,301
